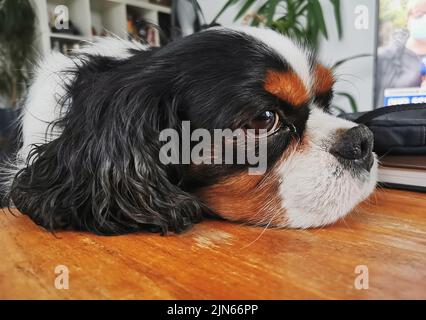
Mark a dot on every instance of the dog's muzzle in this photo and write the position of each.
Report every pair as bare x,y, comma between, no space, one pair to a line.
355,147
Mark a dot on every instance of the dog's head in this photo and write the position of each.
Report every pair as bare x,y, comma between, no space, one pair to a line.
103,172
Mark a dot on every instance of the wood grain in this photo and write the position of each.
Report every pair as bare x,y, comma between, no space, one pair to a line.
223,260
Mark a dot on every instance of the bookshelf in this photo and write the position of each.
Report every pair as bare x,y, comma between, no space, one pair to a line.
92,18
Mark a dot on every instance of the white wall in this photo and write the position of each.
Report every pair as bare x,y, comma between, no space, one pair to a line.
356,77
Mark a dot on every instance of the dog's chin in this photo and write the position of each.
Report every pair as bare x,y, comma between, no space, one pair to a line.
316,190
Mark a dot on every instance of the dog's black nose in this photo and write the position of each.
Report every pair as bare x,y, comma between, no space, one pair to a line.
355,145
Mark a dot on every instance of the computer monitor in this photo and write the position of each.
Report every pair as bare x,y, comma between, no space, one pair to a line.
401,53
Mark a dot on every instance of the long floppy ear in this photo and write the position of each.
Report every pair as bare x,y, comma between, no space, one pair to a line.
103,172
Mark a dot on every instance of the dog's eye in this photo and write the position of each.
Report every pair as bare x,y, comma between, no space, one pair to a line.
267,120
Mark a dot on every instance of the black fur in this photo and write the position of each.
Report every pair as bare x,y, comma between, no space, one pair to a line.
102,173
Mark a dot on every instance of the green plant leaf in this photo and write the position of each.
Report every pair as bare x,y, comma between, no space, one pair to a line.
312,30
338,17
291,11
292,17
198,9
316,9
272,7
244,9
260,12
226,6
301,9
342,61
351,100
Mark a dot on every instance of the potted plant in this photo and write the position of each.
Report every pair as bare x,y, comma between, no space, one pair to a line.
17,35
301,19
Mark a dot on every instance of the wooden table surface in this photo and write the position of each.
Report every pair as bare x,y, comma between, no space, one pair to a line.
223,260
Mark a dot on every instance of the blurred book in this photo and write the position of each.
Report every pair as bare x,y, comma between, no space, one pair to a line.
403,172
404,96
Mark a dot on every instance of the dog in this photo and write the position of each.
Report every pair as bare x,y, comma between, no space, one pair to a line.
91,125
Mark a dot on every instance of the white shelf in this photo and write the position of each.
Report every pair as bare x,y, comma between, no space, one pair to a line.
146,5
105,16
69,36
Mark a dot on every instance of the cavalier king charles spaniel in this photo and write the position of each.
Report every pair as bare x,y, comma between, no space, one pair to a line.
92,120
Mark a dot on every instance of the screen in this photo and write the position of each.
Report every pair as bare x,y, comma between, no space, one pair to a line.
401,53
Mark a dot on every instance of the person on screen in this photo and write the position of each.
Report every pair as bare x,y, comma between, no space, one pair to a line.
399,65
423,73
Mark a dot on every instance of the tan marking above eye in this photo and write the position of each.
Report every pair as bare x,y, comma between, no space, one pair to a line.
287,86
324,79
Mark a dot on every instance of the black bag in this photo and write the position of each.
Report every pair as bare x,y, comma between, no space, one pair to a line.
399,129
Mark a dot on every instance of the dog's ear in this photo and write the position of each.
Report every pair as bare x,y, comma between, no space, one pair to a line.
103,172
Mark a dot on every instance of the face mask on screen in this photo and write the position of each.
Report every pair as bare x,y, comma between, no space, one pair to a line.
417,28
